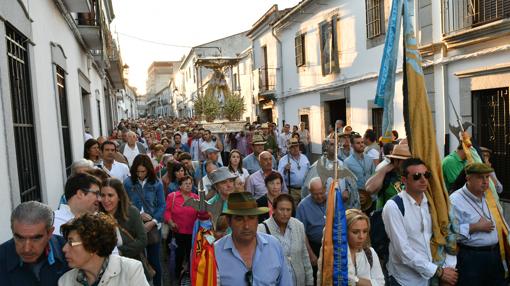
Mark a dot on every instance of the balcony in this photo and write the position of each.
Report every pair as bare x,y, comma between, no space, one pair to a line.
90,29
471,21
79,6
267,79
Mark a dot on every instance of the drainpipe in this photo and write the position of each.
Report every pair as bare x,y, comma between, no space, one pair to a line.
279,67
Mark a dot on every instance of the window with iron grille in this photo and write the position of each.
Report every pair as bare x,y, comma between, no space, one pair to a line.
299,47
64,118
23,115
329,46
374,18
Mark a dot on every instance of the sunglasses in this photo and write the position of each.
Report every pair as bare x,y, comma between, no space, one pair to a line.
417,176
248,277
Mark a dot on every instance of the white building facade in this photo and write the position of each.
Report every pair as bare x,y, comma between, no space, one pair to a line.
59,69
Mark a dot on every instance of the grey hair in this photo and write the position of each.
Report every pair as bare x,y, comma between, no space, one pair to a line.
80,163
33,212
313,180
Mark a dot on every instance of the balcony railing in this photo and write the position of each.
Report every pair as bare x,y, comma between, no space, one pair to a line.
466,14
267,79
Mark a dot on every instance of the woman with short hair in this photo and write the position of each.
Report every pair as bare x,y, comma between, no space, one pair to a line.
290,232
274,182
90,241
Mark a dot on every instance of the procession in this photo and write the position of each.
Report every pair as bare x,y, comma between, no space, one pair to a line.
281,155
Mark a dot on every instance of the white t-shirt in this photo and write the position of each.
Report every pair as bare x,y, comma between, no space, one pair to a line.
211,144
119,171
131,153
373,154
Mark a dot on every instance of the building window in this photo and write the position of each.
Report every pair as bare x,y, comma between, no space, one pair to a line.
377,119
64,118
374,18
300,50
23,115
329,46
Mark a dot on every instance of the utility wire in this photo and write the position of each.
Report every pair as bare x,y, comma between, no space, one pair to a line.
153,42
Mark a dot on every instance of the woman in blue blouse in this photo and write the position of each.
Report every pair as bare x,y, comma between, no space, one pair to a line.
146,193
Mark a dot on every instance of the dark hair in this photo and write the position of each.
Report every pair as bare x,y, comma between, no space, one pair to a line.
410,162
165,139
121,214
184,179
296,134
240,167
88,144
184,156
80,181
354,135
387,148
281,198
108,142
273,176
395,133
143,160
97,232
370,135
177,134
172,168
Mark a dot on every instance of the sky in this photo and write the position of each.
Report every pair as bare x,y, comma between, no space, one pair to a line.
165,30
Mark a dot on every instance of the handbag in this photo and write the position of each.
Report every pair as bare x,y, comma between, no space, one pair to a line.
153,235
147,268
165,228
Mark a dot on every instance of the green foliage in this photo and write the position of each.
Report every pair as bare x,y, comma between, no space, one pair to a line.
234,107
208,106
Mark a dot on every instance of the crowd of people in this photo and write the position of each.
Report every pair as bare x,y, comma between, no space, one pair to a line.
134,197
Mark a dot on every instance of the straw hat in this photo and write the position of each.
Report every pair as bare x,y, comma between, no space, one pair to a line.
243,203
400,151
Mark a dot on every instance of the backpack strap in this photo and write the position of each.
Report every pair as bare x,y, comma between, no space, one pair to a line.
400,203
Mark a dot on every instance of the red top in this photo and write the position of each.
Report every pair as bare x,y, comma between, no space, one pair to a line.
184,217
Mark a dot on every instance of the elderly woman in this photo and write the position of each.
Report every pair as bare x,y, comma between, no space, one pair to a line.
115,202
181,219
146,193
273,183
90,241
290,232
363,262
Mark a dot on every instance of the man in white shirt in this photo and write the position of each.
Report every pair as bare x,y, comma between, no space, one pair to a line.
294,167
184,134
284,138
113,168
82,195
372,149
479,257
410,231
211,141
132,148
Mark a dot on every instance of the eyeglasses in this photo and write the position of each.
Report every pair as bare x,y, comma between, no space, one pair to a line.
74,243
417,176
248,277
97,193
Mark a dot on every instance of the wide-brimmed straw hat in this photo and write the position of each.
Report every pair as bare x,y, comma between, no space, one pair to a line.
400,151
243,203
292,142
258,139
220,175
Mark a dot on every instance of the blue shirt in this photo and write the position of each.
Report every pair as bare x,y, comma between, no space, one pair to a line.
251,163
14,272
268,264
313,217
363,168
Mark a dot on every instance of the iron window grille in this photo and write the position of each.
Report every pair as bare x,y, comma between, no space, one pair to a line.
374,16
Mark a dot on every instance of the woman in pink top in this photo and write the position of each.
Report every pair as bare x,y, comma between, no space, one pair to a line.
181,220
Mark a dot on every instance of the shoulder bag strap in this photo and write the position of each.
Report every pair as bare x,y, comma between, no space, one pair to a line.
267,228
144,202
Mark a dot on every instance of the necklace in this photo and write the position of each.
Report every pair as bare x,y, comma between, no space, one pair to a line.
296,161
470,201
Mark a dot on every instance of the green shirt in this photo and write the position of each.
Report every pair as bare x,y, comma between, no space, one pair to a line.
452,166
389,190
